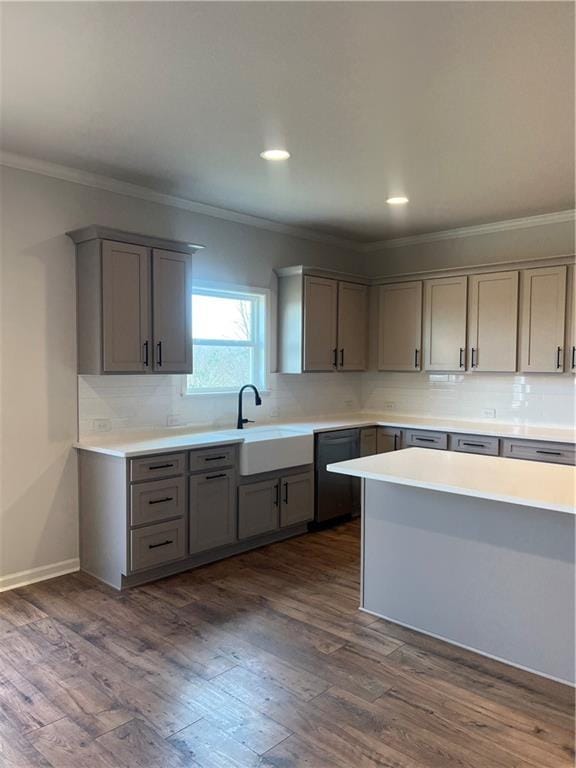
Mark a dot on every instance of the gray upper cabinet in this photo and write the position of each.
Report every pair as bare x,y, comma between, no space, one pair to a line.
493,321
133,302
542,319
125,307
172,311
352,326
445,324
400,326
212,510
322,323
571,334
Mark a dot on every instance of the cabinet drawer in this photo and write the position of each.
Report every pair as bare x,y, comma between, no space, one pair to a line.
474,444
154,467
157,544
555,453
157,501
212,458
424,439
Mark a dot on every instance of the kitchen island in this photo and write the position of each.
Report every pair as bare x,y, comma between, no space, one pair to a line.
474,550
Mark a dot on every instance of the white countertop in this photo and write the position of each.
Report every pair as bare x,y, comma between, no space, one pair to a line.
137,443
514,481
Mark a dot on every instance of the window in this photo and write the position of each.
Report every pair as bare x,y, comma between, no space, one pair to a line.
229,332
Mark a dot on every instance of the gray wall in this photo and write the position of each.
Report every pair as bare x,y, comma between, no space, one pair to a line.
38,407
556,239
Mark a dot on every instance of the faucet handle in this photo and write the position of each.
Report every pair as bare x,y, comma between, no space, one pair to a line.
248,421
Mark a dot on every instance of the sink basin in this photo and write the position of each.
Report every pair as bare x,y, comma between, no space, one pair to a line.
266,449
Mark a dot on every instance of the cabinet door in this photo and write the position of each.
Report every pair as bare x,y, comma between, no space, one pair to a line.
542,320
320,324
212,510
493,321
352,327
571,345
445,324
297,494
368,441
400,327
258,508
125,307
172,311
389,439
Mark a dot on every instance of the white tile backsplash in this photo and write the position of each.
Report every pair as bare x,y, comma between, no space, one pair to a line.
533,399
134,402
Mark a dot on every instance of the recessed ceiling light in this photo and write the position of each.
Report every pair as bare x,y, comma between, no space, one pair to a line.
397,200
275,154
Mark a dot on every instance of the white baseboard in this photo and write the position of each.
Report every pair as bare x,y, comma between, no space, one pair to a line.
23,578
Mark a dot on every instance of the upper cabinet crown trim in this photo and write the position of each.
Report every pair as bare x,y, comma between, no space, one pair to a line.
99,232
330,274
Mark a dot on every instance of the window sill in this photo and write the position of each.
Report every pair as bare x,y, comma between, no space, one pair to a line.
220,393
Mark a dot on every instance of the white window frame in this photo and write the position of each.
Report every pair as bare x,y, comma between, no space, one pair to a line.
260,331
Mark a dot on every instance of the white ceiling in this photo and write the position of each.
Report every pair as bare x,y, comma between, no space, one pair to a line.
467,108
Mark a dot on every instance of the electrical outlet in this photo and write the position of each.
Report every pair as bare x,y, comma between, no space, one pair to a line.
173,420
389,406
101,425
274,412
489,413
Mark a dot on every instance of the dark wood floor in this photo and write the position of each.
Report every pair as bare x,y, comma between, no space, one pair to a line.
261,660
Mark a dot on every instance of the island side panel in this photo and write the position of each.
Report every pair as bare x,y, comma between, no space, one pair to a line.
103,510
497,578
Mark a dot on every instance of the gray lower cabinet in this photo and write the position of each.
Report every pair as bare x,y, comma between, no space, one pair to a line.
157,501
258,508
275,502
368,441
296,499
388,439
156,545
418,438
532,450
212,503
490,446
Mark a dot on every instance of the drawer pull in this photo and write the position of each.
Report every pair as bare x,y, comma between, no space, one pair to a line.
214,458
160,466
161,501
213,477
162,544
551,453
425,439
475,445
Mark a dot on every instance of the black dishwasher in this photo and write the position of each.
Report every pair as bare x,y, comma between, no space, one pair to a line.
337,496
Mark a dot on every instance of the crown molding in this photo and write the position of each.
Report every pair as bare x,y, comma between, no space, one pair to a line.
97,181
557,217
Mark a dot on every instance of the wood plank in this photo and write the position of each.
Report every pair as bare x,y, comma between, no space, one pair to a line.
261,659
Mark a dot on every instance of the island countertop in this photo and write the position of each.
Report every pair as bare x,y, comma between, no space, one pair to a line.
515,481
